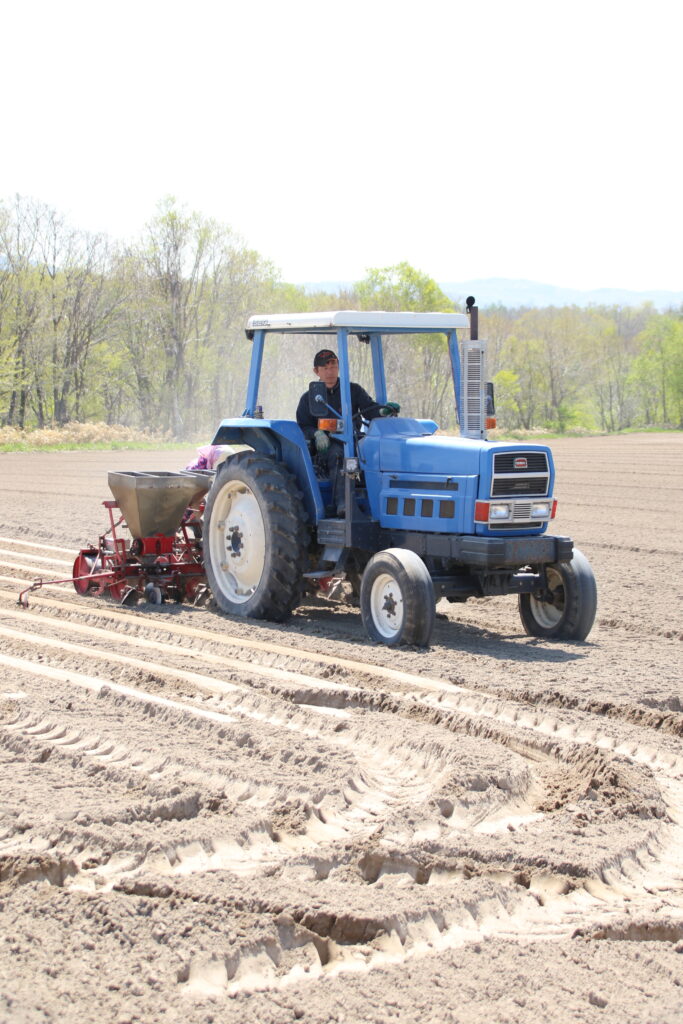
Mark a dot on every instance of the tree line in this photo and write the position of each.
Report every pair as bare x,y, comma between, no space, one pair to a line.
151,334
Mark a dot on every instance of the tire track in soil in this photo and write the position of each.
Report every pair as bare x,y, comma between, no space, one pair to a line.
427,877
372,786
367,795
667,719
397,937
218,933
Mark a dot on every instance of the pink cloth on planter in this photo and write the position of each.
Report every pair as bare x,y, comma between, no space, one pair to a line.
208,455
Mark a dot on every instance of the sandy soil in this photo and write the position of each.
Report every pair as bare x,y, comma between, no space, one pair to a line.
203,819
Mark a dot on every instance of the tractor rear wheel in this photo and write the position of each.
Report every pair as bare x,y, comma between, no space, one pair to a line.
255,539
397,598
566,611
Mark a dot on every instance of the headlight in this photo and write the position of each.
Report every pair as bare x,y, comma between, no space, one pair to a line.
499,512
540,510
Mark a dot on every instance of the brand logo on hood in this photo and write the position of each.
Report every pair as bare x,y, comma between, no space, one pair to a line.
520,463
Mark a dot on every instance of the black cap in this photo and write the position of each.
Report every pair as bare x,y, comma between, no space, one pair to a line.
324,356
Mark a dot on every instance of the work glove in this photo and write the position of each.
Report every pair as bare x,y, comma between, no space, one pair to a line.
321,441
390,409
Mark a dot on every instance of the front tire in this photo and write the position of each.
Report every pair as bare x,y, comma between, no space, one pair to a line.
397,598
567,610
254,538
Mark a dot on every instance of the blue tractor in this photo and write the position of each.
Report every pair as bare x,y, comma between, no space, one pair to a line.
426,516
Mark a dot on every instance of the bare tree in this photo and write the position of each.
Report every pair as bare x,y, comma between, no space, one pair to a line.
196,284
22,302
83,300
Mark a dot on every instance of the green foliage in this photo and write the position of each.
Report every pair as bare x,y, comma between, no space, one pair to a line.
420,362
657,370
402,287
507,390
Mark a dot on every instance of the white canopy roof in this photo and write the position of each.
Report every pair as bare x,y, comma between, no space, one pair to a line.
356,321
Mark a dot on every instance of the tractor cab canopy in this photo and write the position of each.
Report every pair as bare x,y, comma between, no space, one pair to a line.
369,326
358,322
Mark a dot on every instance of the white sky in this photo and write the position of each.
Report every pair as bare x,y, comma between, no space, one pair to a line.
472,138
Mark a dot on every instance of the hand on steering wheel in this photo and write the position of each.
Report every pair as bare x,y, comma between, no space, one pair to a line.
390,409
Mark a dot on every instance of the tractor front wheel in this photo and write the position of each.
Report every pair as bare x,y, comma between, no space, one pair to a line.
397,598
566,609
254,538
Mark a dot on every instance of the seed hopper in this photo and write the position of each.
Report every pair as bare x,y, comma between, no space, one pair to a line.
152,547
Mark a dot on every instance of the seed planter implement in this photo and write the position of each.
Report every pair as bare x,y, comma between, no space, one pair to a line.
152,547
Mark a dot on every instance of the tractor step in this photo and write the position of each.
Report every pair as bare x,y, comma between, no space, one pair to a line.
364,534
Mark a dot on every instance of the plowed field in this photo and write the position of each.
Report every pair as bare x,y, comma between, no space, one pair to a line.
205,819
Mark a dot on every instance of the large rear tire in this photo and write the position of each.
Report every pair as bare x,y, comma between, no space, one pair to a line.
255,539
397,598
567,610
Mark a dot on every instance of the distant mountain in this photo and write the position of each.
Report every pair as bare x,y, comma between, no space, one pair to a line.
508,292
492,290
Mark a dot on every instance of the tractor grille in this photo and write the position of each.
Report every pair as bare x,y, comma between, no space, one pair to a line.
512,486
515,526
520,473
521,518
521,510
504,462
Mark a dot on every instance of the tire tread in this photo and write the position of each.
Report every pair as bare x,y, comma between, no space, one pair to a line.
581,603
287,537
419,605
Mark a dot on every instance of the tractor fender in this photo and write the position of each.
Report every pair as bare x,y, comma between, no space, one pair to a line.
283,441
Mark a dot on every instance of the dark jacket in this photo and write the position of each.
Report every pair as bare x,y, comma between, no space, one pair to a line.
360,403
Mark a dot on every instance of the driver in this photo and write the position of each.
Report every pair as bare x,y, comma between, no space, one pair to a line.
326,368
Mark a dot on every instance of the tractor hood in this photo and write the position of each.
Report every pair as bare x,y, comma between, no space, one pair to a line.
412,446
418,480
